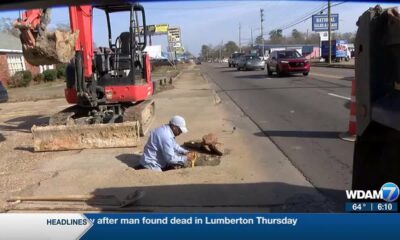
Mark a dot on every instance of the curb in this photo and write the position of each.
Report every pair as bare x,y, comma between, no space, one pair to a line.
217,98
173,79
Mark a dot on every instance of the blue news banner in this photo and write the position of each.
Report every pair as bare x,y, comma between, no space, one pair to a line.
242,226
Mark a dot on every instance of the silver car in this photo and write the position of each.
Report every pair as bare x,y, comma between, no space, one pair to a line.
250,62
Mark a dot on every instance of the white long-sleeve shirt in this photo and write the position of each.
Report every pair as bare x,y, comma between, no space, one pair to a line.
162,150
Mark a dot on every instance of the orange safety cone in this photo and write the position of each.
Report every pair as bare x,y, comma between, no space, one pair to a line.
351,133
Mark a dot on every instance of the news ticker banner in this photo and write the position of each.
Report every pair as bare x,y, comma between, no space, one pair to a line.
197,226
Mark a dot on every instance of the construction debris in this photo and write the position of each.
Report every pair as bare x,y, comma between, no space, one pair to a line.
208,150
51,48
209,145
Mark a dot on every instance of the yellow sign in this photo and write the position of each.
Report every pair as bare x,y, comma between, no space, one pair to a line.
161,28
179,50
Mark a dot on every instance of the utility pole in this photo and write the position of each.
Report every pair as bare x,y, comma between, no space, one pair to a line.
262,32
329,32
252,38
240,44
220,50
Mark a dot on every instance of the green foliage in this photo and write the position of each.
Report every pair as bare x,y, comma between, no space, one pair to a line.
50,75
230,47
38,78
276,36
20,79
61,70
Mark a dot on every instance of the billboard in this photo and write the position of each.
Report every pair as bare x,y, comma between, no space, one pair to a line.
320,22
161,28
339,49
158,29
174,40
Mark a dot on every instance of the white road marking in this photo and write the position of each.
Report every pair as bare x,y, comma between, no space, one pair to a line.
339,96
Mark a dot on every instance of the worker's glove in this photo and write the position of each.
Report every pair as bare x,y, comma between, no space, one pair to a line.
191,156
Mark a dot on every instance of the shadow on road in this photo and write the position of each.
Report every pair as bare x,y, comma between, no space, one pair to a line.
131,160
2,138
246,197
265,76
253,76
274,88
298,134
222,67
347,104
231,70
25,123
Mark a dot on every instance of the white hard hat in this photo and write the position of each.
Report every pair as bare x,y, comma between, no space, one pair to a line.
179,122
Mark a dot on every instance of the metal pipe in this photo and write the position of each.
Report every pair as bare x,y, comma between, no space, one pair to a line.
109,29
329,32
132,31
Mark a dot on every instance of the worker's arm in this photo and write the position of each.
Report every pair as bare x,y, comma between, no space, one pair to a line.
169,153
180,149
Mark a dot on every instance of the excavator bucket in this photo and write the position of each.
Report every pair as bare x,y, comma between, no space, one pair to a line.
144,113
70,137
50,48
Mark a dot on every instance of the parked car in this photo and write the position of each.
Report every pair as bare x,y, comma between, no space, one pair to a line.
234,57
250,62
3,93
287,61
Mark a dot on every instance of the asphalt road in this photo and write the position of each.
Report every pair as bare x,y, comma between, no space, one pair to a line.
303,116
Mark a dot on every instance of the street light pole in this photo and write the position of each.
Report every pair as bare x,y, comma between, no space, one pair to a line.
252,43
262,32
329,32
220,50
240,45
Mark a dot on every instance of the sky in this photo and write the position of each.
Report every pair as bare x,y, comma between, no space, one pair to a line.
216,22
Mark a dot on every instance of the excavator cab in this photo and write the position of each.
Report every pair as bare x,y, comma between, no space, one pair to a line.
124,58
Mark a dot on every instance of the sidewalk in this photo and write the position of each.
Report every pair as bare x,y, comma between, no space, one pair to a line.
254,175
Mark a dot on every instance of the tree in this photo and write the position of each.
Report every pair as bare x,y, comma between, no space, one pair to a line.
313,38
276,36
230,47
205,51
6,25
297,36
259,40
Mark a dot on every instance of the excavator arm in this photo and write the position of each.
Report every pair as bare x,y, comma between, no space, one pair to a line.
41,47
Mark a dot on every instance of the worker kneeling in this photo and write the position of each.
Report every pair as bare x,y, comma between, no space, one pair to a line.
161,151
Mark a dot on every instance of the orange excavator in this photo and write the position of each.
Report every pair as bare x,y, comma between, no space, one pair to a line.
110,87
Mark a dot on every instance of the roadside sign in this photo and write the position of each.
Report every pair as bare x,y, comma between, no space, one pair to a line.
161,28
174,40
158,29
320,22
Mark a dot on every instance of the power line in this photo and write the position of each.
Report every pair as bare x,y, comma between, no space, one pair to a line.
305,15
308,17
200,7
